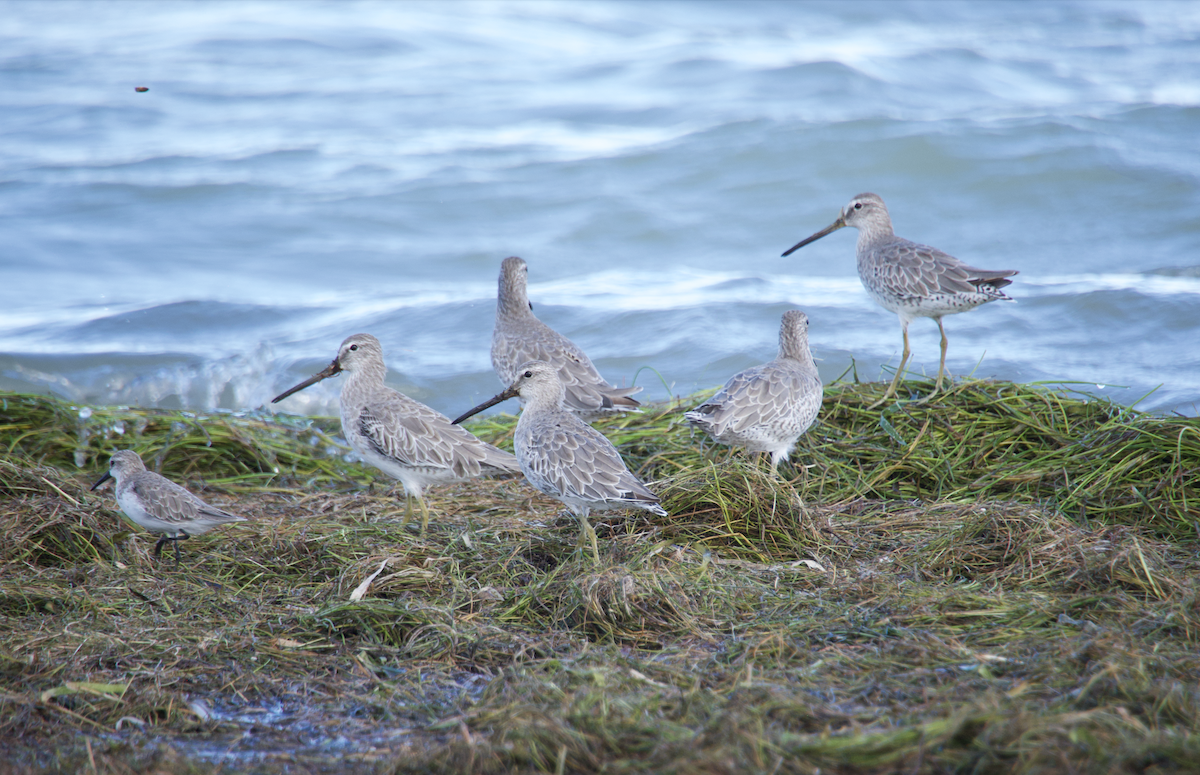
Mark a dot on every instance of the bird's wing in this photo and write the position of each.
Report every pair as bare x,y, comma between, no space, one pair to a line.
585,388
169,502
921,271
568,457
758,395
412,434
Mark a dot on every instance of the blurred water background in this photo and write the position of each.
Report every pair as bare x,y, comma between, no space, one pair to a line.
298,172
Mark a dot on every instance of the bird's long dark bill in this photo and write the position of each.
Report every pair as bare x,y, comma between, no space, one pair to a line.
839,223
507,394
329,371
103,479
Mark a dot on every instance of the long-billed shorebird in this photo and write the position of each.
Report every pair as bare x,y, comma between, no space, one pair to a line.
768,407
912,280
158,504
563,456
401,437
520,337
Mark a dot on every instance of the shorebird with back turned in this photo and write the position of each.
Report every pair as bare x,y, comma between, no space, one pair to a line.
520,337
563,456
912,280
401,437
767,408
158,504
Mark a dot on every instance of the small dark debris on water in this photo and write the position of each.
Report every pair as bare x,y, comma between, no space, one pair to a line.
141,88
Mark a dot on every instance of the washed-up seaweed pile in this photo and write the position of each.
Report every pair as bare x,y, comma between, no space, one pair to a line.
1004,578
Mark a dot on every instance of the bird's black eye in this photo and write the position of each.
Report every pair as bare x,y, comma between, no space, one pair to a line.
353,347
858,205
528,374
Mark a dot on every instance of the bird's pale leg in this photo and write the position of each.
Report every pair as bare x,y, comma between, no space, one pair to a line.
937,386
891,391
941,366
586,530
424,514
407,508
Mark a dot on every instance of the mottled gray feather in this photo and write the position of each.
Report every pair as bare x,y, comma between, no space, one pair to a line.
519,337
767,408
416,436
563,456
402,437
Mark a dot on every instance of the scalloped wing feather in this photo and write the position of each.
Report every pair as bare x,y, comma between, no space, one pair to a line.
171,503
415,435
572,460
755,396
920,271
586,388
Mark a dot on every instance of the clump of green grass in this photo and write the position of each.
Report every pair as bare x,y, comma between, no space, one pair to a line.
249,452
979,441
744,506
57,526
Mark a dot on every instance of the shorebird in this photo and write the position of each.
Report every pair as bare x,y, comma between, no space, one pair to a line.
768,407
158,504
563,456
401,437
912,280
520,337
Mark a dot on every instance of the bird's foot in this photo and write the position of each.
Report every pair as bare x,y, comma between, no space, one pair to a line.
937,389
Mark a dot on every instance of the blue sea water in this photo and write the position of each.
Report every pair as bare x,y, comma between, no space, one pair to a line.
298,172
